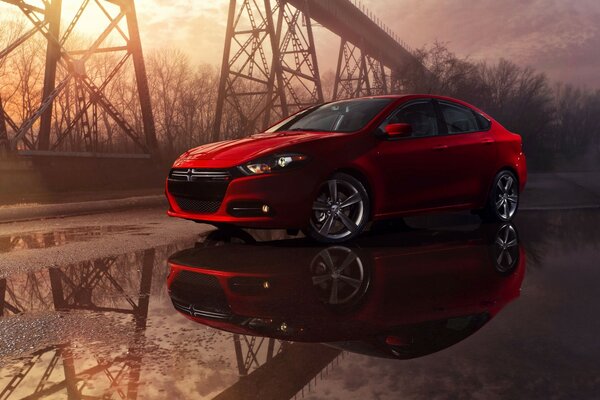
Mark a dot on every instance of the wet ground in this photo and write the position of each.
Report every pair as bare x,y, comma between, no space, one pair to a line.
135,305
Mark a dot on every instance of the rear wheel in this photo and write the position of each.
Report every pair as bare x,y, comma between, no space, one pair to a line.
503,200
340,211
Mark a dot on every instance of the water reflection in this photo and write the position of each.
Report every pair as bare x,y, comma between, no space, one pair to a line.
53,319
399,295
42,240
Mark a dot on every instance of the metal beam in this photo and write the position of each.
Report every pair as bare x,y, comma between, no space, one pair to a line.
346,20
53,13
141,78
284,375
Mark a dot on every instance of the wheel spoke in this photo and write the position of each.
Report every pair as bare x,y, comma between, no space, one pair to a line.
333,296
317,280
499,203
320,206
509,182
347,222
327,226
327,260
506,233
347,262
333,190
505,209
355,198
500,257
355,283
509,258
513,198
512,243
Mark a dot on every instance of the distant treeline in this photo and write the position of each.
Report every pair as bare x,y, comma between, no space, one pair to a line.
560,124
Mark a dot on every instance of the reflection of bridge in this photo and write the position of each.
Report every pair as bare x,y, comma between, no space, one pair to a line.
270,69
91,286
115,287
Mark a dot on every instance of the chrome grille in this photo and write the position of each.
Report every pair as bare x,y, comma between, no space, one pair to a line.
192,310
194,174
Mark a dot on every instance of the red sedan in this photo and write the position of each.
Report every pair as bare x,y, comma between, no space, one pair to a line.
331,169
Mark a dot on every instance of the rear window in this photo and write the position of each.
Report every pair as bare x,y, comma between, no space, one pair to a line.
458,119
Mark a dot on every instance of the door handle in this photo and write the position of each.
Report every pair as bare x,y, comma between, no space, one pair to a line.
487,141
440,147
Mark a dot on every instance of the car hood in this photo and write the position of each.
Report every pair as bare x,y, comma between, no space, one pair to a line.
255,146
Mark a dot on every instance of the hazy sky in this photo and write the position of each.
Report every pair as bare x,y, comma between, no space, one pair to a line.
560,37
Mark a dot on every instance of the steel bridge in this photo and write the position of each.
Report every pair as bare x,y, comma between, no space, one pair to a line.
270,69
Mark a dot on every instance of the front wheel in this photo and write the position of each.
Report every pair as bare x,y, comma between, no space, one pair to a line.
340,211
503,199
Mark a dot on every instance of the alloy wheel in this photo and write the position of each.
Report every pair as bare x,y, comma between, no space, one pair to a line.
506,249
339,210
338,275
507,196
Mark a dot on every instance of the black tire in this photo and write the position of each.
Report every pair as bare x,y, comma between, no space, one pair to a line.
503,199
341,210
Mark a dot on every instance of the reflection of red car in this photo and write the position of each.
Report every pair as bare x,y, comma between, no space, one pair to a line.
404,295
331,169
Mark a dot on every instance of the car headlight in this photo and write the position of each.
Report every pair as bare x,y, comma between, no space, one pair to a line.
273,163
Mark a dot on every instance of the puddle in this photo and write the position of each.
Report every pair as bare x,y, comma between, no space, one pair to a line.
410,309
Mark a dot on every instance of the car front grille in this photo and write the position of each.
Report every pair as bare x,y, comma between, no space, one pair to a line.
199,294
199,191
195,175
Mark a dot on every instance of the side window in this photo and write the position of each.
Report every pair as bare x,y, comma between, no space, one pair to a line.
458,119
421,117
484,123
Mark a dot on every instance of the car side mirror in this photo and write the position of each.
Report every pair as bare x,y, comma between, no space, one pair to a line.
398,130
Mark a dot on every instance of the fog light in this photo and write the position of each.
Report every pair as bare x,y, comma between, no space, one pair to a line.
283,327
266,285
265,209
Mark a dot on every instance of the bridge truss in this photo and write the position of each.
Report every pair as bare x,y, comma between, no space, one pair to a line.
79,108
270,68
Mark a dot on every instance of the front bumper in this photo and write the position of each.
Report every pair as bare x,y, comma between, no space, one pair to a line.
288,194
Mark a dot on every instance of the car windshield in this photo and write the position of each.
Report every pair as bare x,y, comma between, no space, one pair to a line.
340,116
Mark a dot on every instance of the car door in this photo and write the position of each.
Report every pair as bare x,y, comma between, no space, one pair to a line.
411,168
469,155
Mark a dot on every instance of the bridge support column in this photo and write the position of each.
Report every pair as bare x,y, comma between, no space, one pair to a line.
4,143
358,73
255,90
53,13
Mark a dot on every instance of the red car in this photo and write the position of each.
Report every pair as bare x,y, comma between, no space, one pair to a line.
400,295
331,169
